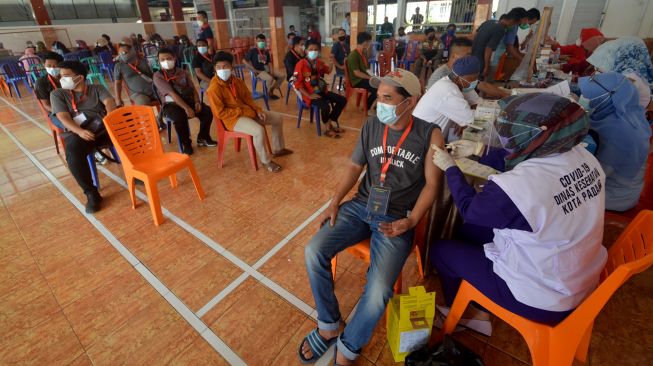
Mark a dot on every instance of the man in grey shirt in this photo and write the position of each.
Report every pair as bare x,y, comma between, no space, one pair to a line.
398,188
136,73
487,38
77,105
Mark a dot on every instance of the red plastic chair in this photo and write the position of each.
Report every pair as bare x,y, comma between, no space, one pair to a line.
360,92
224,135
56,131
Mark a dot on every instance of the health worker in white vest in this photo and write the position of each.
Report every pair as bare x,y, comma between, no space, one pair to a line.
532,237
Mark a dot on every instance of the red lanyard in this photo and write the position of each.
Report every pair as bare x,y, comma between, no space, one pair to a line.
135,69
232,86
296,55
262,54
364,58
385,166
72,96
54,85
165,75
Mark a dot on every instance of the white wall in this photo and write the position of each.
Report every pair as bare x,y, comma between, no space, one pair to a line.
291,17
628,18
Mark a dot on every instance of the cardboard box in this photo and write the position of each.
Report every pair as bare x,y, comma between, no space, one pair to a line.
410,320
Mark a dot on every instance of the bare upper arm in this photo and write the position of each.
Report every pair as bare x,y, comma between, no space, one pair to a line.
430,170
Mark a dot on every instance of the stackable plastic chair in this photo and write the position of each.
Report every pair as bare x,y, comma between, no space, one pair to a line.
189,54
135,134
56,131
255,93
314,113
632,253
14,73
362,252
107,64
360,92
94,72
410,55
224,135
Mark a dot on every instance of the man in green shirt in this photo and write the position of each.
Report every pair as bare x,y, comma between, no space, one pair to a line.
357,66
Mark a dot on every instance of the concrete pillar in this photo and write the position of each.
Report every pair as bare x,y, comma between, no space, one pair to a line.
358,20
401,14
483,13
177,17
277,34
144,11
220,25
43,18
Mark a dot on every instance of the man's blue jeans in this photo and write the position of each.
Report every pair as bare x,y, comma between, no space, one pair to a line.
387,257
55,121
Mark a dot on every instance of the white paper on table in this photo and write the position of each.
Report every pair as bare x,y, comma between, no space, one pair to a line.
562,89
474,168
412,340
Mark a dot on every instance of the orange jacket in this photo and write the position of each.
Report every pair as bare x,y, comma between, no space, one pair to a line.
230,100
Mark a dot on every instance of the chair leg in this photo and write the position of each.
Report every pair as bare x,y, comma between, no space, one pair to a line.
114,153
153,199
252,153
173,180
56,141
457,309
237,144
333,82
169,124
221,152
299,116
132,190
365,106
90,158
583,347
196,181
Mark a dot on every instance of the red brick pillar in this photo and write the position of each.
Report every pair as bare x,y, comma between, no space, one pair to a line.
43,18
220,25
144,11
277,35
358,20
177,16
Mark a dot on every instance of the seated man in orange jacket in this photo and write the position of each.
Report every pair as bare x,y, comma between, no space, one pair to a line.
590,39
232,103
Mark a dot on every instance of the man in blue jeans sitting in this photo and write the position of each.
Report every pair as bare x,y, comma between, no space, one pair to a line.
398,189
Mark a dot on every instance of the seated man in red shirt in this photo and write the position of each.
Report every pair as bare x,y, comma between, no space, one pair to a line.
590,39
309,81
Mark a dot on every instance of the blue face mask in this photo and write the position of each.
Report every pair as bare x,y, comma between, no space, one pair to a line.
451,32
471,86
387,113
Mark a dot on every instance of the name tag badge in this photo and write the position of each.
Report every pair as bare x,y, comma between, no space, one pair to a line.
377,203
79,119
168,99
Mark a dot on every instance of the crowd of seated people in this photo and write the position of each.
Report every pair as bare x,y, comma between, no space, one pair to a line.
416,116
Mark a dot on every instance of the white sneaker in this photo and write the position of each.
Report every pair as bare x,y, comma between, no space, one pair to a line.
480,326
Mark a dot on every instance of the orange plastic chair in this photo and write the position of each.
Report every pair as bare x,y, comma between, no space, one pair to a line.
360,92
134,133
5,88
632,253
225,135
362,251
56,131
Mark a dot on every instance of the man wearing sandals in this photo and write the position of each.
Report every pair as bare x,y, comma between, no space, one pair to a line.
309,81
398,189
232,103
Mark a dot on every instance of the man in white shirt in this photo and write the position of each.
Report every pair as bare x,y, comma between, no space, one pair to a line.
444,101
345,24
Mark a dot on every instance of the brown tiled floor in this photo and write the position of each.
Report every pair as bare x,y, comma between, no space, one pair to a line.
67,297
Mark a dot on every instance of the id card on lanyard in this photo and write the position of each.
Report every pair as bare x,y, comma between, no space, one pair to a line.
379,198
79,118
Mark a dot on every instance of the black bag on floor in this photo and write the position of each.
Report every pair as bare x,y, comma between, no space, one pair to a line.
446,353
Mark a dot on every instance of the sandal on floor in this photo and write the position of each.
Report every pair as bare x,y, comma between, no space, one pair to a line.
332,134
333,126
272,167
317,344
282,152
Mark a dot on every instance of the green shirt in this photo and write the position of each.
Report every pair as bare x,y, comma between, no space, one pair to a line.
356,62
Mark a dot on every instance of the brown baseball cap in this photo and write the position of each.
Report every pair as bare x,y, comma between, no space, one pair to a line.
401,78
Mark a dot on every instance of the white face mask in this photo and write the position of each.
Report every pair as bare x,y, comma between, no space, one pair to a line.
203,50
67,82
312,55
223,74
53,71
200,23
168,65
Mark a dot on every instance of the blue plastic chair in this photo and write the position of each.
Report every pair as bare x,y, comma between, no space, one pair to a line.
90,158
37,71
410,55
315,111
290,82
239,71
255,93
72,56
13,73
333,81
107,64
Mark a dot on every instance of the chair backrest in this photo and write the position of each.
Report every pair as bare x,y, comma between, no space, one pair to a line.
12,69
106,58
93,63
38,70
150,49
347,83
389,46
47,117
71,57
632,253
411,51
189,54
385,65
83,53
134,133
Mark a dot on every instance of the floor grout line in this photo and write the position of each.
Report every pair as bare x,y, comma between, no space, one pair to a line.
195,322
292,299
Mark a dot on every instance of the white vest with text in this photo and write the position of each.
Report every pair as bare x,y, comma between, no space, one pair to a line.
557,265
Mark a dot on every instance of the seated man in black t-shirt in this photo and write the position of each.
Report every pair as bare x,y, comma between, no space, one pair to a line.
203,63
398,189
80,108
294,55
46,84
259,60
